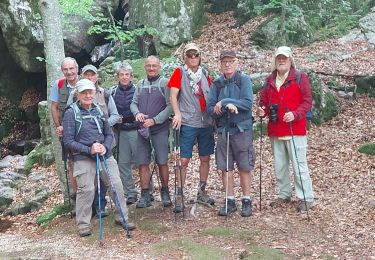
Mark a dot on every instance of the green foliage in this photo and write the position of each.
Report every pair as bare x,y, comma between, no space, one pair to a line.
244,235
86,10
194,250
247,9
46,218
367,149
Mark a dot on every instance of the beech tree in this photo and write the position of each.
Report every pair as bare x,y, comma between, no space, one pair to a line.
54,54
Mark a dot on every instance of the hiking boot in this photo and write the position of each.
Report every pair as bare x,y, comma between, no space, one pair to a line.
179,205
145,200
118,221
131,200
105,213
203,198
84,232
246,208
165,198
303,206
231,208
279,201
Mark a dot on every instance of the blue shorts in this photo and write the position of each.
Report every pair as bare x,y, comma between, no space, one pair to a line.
191,135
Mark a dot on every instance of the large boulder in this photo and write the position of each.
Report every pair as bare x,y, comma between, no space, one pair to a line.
268,34
367,25
21,25
176,21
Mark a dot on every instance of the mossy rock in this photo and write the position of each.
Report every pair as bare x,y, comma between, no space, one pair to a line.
42,155
366,85
367,149
269,35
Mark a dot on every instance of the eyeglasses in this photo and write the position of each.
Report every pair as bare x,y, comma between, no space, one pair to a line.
228,62
149,66
192,55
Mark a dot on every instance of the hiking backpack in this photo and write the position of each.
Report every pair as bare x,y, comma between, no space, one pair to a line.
78,118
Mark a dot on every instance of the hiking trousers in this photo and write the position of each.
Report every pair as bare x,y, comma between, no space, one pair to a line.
283,152
127,152
85,173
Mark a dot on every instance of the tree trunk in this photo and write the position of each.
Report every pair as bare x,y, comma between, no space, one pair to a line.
283,38
54,54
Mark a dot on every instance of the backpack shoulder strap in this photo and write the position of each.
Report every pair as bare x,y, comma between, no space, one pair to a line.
299,75
77,117
238,79
60,83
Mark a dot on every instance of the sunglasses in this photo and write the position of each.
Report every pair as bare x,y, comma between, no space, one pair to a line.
192,55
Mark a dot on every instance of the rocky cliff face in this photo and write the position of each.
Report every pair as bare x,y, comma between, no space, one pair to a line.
176,21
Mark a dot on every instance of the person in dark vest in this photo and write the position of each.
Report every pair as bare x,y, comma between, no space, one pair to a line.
189,86
125,129
230,103
85,138
60,91
151,107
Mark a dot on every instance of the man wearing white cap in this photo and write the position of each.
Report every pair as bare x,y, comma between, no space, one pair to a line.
189,93
87,133
285,99
106,103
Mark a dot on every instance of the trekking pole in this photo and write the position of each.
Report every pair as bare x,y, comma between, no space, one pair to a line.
118,145
227,167
154,172
117,200
100,209
299,170
63,153
177,165
260,159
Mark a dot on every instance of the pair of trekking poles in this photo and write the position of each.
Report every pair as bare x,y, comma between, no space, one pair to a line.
99,159
261,159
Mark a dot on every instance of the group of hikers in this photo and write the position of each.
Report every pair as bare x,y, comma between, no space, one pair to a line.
91,121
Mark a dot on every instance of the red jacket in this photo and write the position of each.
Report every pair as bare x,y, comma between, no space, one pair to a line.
291,97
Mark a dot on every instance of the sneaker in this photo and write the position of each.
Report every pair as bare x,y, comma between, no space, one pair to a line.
118,221
246,208
165,198
131,200
279,201
145,200
84,232
179,205
203,198
303,206
231,208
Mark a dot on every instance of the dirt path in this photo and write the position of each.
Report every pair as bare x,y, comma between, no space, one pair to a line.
341,225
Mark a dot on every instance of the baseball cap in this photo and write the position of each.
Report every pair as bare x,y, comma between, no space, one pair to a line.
284,50
84,84
191,46
227,53
89,67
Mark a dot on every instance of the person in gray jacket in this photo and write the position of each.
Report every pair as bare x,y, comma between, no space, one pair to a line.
151,107
87,133
230,102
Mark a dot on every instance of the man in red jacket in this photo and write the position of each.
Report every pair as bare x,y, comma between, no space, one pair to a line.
285,99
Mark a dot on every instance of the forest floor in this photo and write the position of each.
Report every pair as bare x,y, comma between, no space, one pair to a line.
340,226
